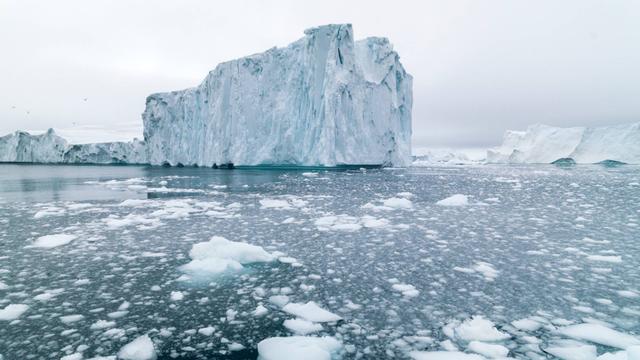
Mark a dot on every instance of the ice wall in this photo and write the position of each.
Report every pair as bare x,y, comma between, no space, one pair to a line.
545,144
23,147
323,100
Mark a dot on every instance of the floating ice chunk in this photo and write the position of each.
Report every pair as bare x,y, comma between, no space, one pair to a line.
51,241
102,324
310,174
139,349
74,356
260,310
605,258
488,350
486,270
68,319
12,312
48,295
298,347
113,357
177,296
480,329
211,266
219,255
573,351
302,327
311,312
113,222
279,300
398,203
454,200
275,204
338,223
235,347
628,293
222,248
443,355
600,334
207,331
373,223
526,324
406,289
3,286
50,211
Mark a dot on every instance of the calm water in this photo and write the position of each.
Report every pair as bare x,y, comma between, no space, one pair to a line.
556,246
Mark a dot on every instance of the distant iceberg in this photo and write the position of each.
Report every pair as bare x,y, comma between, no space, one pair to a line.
442,156
22,147
542,144
324,100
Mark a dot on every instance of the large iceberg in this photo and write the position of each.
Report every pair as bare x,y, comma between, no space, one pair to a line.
22,147
546,144
324,100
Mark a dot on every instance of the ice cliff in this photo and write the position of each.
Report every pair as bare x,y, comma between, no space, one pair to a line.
546,144
50,148
323,100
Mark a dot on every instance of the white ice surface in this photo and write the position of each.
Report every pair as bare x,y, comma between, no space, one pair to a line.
298,347
323,100
141,348
600,334
454,200
219,255
545,144
310,312
12,311
51,241
443,355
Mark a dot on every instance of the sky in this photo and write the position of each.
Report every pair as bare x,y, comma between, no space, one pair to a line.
479,66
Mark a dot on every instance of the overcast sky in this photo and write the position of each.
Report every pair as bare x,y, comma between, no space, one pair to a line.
479,66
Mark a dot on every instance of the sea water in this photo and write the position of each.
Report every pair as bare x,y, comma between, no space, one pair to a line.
523,253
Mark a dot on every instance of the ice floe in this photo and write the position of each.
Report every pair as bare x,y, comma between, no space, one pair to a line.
298,347
51,241
13,311
219,255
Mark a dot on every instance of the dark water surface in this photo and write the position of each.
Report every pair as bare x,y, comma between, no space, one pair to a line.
557,246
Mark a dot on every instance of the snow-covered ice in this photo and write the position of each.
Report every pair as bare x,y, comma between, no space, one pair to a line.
51,241
589,145
454,200
12,311
298,347
219,255
301,326
141,348
310,312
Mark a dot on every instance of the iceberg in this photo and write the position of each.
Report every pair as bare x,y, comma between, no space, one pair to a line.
581,145
49,148
324,100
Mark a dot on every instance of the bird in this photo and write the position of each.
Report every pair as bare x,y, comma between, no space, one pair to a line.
85,99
